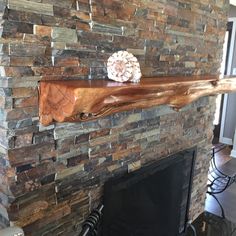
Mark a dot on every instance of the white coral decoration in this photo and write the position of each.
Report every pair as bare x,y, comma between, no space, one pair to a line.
123,66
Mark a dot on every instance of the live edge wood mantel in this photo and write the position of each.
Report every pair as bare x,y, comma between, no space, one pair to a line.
83,100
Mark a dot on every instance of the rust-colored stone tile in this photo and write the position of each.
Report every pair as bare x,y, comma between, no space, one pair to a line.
43,30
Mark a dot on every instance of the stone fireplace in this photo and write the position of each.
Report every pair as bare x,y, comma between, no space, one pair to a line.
53,176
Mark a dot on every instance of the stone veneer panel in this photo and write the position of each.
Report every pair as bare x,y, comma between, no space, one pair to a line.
51,177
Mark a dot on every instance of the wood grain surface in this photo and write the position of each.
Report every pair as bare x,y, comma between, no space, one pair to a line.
83,100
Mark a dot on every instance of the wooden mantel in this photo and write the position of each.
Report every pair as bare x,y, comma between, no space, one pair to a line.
82,100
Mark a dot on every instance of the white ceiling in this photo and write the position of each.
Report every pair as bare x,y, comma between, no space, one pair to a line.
232,2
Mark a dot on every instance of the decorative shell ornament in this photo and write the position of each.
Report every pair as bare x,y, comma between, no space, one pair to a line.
123,66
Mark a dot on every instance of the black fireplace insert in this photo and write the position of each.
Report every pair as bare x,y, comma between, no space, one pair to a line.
153,201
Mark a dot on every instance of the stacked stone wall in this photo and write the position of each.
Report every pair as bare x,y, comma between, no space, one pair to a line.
51,177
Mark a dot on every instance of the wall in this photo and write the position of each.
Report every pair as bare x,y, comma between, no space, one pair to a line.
51,177
230,105
230,118
232,11
233,152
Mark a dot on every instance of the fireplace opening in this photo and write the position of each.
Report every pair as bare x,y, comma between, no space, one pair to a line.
151,201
